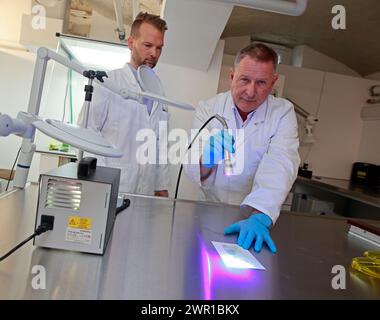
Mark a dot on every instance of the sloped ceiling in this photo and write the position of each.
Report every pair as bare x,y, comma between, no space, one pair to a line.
195,27
358,46
106,8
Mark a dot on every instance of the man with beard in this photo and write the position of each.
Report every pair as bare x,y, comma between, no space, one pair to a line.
119,120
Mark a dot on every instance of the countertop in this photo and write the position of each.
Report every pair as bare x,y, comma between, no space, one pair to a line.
156,252
345,188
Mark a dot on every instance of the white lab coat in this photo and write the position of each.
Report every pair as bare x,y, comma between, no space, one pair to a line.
268,157
119,120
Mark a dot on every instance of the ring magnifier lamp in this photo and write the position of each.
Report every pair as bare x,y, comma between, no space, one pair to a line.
82,138
148,81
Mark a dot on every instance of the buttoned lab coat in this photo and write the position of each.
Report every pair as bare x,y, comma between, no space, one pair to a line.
119,120
266,159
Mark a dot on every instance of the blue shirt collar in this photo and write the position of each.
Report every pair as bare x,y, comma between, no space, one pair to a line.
257,115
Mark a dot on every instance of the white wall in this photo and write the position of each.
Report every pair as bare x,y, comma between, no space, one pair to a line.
303,86
369,145
10,18
336,100
373,76
17,72
297,56
224,78
191,86
306,57
339,129
17,67
32,38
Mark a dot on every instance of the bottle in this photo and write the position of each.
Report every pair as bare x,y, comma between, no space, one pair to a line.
369,264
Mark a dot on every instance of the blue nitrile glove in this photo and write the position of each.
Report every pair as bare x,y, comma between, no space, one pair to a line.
213,150
256,227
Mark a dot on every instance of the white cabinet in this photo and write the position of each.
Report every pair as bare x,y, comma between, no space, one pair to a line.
336,100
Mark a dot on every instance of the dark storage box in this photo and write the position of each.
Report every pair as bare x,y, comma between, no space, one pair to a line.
366,173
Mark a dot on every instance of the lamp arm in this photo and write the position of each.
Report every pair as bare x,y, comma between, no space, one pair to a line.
43,57
10,125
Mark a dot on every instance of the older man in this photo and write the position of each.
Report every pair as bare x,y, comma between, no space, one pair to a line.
268,153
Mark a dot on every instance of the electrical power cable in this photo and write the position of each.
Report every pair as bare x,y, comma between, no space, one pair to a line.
71,94
68,86
179,179
43,227
188,148
64,100
125,205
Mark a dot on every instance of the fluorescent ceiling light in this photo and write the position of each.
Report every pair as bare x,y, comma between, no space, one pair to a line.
95,54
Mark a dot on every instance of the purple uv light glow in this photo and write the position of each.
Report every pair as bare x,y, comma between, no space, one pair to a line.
215,272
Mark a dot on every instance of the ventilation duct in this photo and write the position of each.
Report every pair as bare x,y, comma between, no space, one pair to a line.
296,8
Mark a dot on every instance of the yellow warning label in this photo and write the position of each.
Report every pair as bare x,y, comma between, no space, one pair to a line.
80,223
361,174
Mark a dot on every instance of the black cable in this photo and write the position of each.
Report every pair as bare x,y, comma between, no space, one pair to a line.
188,148
178,180
10,175
40,229
17,247
125,205
64,101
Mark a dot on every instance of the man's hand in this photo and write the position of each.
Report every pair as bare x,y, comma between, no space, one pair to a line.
161,193
213,150
255,228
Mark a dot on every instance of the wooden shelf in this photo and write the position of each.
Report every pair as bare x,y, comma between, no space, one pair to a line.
4,174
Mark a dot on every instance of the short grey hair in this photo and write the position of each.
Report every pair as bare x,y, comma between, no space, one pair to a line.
258,52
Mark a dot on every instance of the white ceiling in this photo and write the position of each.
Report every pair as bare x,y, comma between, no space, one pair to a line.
56,8
106,8
358,46
195,27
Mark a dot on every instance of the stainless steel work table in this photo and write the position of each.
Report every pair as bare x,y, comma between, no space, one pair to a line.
346,188
349,199
154,254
